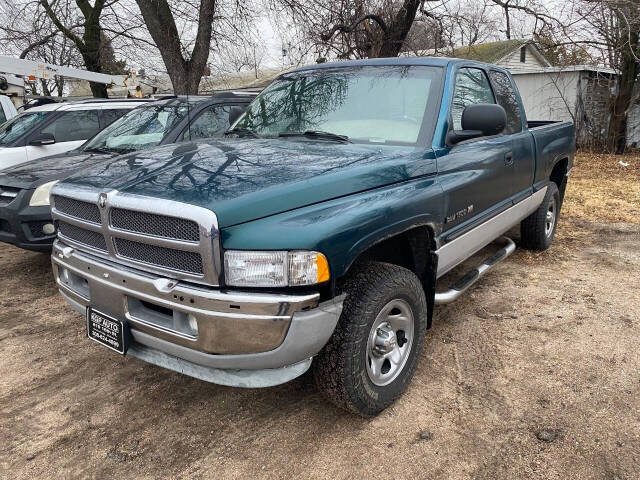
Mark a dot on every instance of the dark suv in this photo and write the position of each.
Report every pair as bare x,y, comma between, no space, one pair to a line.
25,218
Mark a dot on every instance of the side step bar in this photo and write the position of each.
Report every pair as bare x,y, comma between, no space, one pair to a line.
473,275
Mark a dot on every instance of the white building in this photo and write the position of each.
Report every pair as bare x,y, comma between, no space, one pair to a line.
511,54
578,93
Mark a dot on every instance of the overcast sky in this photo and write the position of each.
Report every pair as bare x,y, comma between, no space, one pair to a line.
272,44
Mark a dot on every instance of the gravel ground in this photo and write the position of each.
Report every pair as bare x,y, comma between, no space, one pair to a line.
533,374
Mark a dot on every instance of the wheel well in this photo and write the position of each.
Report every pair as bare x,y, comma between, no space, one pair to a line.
409,249
558,176
559,171
413,249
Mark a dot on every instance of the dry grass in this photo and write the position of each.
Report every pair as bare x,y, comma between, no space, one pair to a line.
601,189
548,342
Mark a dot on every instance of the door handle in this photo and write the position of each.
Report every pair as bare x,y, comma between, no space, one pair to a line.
508,158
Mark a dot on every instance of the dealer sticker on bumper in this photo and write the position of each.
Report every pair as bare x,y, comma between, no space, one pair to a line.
108,331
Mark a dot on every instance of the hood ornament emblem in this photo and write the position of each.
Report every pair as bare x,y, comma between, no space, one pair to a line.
102,200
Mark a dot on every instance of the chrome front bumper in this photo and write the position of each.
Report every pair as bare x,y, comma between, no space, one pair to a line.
243,338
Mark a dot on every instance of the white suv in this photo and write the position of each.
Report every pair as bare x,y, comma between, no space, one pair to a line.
56,128
7,110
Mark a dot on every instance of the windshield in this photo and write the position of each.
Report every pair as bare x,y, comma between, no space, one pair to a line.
14,128
143,127
381,104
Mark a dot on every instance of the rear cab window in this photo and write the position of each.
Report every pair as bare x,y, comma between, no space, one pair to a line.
506,97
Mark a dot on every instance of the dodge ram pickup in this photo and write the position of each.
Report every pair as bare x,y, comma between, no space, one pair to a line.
25,214
314,235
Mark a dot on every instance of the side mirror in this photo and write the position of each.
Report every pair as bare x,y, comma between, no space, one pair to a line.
42,140
479,120
234,114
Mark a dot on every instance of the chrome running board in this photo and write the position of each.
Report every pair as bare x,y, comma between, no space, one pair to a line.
473,275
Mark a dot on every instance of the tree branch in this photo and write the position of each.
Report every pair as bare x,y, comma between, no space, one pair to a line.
350,28
60,26
37,44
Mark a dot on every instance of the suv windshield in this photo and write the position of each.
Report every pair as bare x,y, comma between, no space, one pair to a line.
381,104
14,128
143,127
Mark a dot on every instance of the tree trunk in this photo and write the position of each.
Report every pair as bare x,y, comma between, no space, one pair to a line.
89,45
92,62
185,74
508,22
45,88
185,77
620,105
622,101
393,41
92,53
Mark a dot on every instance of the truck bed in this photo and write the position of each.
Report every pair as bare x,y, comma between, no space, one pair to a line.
553,141
533,124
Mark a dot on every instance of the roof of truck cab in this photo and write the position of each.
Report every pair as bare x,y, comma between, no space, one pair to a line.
392,61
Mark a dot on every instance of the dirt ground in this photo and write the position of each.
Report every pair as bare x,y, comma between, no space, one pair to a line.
534,374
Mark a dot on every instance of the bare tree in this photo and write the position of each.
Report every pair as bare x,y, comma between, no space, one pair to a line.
443,26
560,53
86,33
621,34
35,37
185,73
610,31
352,29
531,8
384,32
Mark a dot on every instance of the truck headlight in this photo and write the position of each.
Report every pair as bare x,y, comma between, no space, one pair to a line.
274,269
40,197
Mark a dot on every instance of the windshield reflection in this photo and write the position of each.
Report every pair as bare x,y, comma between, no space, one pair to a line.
14,128
142,128
382,104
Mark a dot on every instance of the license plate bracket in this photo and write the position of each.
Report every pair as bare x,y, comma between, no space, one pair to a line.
108,331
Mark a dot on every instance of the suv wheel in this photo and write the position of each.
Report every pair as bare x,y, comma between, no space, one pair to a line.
371,357
538,229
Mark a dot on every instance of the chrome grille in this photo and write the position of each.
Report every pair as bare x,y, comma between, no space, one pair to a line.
171,258
80,235
140,232
76,208
156,225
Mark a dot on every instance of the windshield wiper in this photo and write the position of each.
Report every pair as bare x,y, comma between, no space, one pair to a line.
117,151
99,150
316,134
242,131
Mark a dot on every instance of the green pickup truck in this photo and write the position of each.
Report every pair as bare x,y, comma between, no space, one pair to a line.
315,233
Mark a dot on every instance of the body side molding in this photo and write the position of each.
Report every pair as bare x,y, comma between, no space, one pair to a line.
458,250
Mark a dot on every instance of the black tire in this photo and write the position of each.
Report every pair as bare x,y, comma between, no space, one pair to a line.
341,368
536,232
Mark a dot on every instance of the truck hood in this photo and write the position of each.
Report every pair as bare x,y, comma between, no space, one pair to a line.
56,167
245,179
